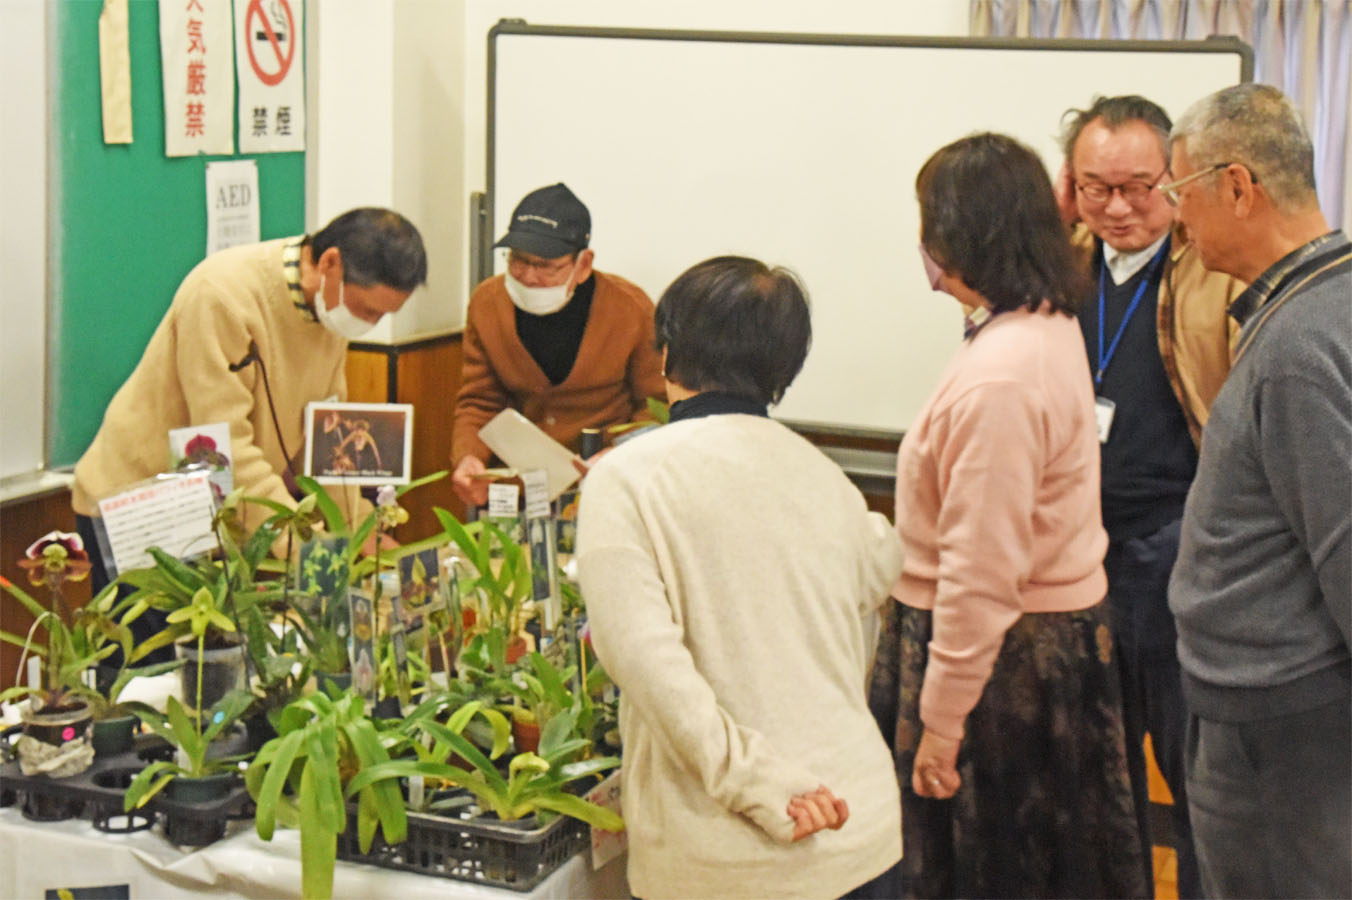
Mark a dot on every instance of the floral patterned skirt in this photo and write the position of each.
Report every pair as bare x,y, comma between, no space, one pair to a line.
1045,807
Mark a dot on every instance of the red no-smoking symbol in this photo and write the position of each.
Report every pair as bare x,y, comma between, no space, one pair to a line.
279,60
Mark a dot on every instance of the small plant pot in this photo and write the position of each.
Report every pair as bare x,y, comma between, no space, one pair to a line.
387,708
341,680
56,742
222,671
526,736
114,736
517,647
191,829
259,731
42,807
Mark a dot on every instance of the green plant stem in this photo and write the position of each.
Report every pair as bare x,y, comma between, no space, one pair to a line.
201,646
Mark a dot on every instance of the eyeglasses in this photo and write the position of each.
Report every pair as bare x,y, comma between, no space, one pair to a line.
546,268
1134,192
1170,190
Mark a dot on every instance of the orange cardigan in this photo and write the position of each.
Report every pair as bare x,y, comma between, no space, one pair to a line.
618,367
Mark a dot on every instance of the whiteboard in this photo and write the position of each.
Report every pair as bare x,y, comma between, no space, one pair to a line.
801,151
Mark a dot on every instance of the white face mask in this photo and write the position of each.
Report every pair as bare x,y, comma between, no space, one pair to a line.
340,320
540,301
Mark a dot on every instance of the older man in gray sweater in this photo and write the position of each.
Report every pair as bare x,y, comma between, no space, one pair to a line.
1262,590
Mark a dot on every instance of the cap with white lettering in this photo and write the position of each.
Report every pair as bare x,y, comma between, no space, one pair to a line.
549,222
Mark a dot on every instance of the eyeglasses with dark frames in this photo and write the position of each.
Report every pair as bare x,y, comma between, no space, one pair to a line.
1136,191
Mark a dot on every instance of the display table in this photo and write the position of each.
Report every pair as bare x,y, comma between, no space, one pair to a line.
38,856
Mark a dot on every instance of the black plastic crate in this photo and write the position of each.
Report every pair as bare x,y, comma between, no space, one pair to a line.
472,847
96,795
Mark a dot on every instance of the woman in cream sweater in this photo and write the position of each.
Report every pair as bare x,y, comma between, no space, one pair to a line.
995,675
733,578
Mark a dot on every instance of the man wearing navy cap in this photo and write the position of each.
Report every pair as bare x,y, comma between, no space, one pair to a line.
566,345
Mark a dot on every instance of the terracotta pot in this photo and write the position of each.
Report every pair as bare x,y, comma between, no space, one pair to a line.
526,736
517,647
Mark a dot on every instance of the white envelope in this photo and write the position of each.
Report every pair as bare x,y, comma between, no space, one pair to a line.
521,444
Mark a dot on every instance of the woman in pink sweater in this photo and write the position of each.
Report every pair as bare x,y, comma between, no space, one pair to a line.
995,677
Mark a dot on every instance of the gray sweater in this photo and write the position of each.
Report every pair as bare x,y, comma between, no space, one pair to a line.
1262,590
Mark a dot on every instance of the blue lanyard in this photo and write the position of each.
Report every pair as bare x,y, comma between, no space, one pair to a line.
1106,357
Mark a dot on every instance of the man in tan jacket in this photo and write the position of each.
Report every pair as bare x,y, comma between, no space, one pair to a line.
253,334
1158,337
566,345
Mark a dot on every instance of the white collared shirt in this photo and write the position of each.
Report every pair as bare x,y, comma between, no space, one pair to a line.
1124,265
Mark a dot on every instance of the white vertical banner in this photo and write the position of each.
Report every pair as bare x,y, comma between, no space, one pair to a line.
270,61
232,204
197,51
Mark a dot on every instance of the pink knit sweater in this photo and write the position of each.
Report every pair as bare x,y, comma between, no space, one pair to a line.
998,501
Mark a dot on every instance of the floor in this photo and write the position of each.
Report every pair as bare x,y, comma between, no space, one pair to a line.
1166,865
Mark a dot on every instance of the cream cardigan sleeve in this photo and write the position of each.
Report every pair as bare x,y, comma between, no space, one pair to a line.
639,641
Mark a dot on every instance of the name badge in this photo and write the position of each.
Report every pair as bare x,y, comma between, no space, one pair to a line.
1104,409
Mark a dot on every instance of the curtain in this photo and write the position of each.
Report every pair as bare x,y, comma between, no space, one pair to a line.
1300,46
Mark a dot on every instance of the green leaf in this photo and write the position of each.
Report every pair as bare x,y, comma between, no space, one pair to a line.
318,845
147,783
403,489
35,609
321,745
568,805
282,751
333,516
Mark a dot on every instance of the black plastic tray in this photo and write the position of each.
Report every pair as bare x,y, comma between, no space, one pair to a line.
96,795
514,855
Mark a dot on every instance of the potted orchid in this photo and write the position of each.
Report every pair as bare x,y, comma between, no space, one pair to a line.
57,726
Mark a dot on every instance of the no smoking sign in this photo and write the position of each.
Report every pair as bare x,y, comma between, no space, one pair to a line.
270,38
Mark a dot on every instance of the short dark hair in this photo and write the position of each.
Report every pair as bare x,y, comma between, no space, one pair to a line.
1115,112
987,212
378,246
734,324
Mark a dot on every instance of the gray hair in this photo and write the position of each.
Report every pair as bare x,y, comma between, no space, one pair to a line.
1256,126
1115,112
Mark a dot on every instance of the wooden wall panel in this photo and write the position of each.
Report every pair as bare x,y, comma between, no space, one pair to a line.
22,522
427,375
429,378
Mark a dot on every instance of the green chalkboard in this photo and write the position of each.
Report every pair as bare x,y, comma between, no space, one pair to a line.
126,222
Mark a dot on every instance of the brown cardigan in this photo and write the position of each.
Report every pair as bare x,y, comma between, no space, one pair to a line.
617,368
1196,333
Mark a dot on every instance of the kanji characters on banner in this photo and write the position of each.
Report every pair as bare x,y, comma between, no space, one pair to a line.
197,52
270,61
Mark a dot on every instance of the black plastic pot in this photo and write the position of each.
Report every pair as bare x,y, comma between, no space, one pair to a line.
114,736
187,827
222,671
341,680
259,730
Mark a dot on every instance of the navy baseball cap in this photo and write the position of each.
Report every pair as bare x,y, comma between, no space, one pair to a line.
549,222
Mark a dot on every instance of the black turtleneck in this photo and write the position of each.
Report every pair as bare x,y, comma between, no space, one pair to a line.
713,403
553,340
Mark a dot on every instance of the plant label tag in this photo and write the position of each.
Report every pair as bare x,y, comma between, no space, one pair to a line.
172,512
502,500
544,570
536,483
606,845
1104,410
362,648
204,448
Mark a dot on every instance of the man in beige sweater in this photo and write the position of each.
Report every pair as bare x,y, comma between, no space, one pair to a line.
253,334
